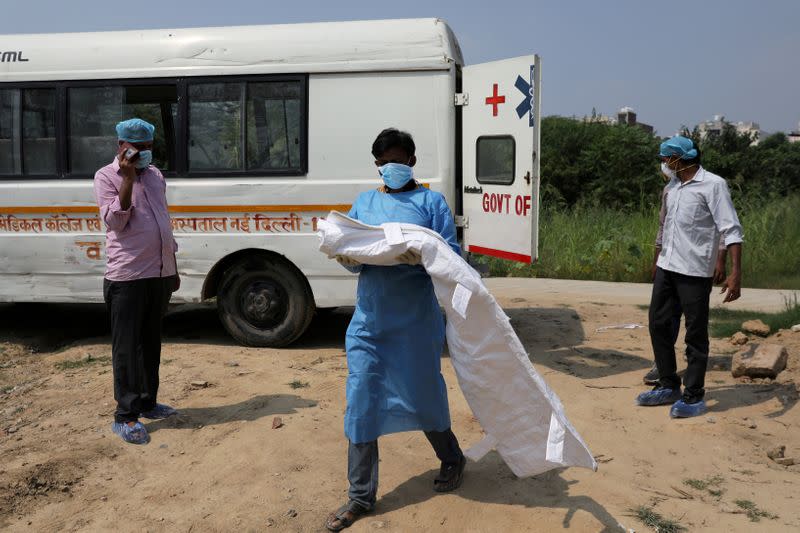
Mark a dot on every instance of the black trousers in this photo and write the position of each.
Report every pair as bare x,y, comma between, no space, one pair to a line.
362,464
692,295
136,309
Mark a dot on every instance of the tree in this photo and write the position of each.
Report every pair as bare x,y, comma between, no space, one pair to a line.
600,164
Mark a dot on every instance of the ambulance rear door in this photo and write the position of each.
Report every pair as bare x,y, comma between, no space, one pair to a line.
500,108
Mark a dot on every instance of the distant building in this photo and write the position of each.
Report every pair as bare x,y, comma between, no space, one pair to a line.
714,127
794,136
627,116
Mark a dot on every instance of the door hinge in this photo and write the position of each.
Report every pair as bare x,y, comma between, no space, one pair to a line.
462,222
461,99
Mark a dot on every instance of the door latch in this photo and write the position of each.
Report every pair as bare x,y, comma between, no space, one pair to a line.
461,99
461,221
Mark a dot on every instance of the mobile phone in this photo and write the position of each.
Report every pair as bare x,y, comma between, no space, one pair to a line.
131,153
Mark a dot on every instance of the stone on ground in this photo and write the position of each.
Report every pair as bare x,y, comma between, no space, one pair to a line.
759,361
756,327
739,339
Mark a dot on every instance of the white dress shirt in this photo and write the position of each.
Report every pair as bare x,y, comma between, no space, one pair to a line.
699,213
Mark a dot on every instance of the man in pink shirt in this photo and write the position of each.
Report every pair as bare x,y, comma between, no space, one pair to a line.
141,274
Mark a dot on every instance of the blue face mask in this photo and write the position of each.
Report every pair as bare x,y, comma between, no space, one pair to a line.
144,160
396,175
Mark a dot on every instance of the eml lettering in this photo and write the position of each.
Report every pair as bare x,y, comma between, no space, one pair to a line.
12,57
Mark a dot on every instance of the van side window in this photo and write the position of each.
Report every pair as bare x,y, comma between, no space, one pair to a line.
496,156
273,125
28,132
95,111
272,116
215,126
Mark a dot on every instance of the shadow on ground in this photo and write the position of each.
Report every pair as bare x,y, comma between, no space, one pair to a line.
45,328
727,397
554,337
249,410
490,481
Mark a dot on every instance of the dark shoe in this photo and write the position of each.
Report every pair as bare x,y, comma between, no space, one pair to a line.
659,396
651,378
450,476
681,409
346,516
160,411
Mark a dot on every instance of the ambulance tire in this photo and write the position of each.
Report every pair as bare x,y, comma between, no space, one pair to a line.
265,302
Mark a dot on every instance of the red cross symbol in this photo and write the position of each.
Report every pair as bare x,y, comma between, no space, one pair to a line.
494,100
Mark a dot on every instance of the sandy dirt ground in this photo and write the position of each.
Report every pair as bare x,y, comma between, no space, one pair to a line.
220,465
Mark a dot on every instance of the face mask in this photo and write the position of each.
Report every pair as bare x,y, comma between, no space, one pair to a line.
668,172
144,160
396,175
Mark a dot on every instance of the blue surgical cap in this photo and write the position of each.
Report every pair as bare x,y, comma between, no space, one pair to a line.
680,146
135,130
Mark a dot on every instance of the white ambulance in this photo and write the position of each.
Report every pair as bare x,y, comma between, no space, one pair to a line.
260,131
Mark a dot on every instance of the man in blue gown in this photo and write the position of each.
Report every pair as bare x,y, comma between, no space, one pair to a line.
395,340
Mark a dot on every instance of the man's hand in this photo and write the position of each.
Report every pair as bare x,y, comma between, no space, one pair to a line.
126,167
410,257
128,171
733,286
655,264
346,262
720,270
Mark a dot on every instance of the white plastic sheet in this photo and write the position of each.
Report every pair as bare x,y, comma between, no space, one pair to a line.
522,417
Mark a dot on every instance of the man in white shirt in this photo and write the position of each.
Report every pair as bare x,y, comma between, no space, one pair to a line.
699,213
651,378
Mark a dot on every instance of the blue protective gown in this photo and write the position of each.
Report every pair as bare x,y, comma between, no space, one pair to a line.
394,342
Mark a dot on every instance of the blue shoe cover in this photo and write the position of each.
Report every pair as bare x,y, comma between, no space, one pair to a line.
134,435
681,409
658,396
159,411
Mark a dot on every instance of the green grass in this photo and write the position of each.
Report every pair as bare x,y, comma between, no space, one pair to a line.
297,384
596,243
753,512
81,363
649,517
726,322
710,485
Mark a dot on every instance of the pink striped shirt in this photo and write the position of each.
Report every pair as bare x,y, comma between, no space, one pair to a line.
139,240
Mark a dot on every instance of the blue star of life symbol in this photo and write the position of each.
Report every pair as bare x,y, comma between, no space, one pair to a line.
526,88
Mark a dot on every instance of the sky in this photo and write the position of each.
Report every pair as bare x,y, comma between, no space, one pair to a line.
676,62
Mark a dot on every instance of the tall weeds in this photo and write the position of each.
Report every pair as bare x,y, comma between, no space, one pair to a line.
597,243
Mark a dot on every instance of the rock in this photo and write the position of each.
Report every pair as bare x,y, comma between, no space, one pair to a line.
777,452
796,328
756,327
711,420
277,422
291,513
785,461
739,339
270,522
759,361
232,364
199,384
752,425
378,525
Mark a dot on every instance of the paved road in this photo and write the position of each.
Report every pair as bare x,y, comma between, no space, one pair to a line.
552,290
